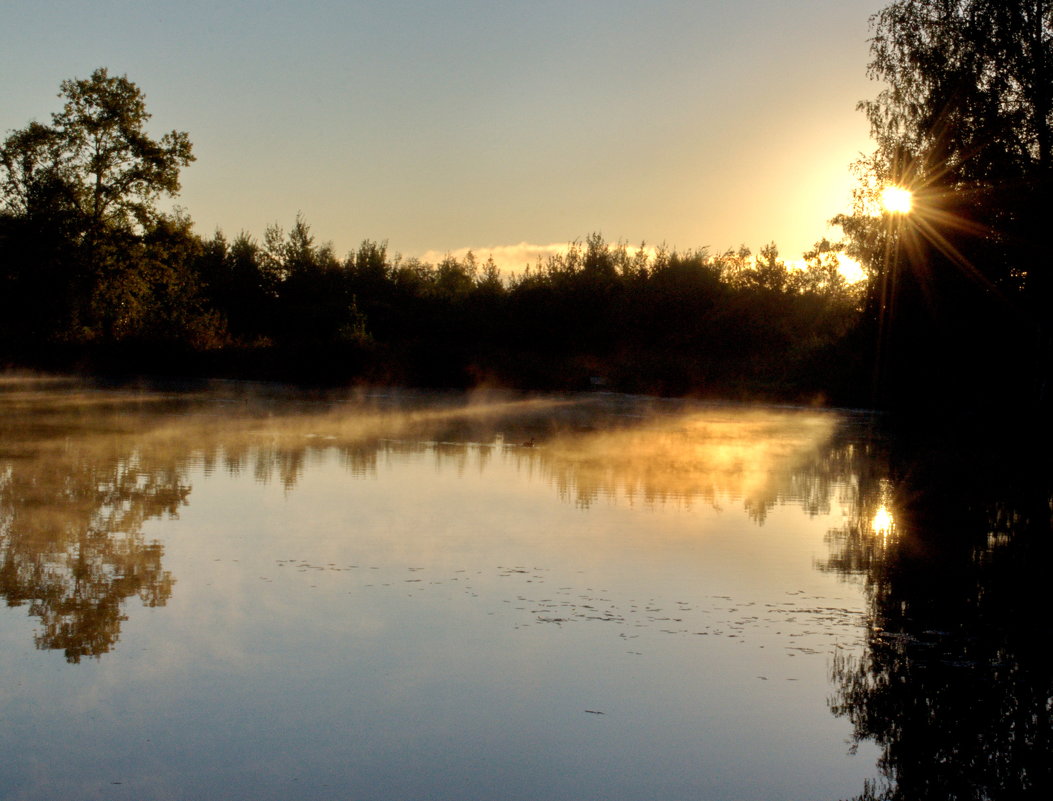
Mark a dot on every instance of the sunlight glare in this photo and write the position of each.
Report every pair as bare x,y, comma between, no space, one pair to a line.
897,200
850,268
883,523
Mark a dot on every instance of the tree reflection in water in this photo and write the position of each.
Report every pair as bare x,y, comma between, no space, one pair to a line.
955,684
71,517
81,471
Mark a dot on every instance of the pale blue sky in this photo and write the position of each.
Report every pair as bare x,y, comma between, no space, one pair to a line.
444,125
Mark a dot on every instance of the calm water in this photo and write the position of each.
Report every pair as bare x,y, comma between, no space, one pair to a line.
249,594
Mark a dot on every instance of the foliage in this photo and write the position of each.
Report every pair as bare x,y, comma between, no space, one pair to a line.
86,246
93,271
965,121
95,156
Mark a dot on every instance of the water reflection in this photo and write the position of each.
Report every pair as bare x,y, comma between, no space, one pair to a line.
71,514
710,456
955,683
82,470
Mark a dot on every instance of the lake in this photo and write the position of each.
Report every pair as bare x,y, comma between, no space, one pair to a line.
247,592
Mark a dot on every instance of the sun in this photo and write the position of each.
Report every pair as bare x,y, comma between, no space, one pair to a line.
897,200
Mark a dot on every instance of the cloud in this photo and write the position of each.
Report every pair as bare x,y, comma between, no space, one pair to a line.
513,258
508,258
516,258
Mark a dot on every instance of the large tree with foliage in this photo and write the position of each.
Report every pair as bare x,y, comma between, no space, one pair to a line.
97,155
965,120
79,200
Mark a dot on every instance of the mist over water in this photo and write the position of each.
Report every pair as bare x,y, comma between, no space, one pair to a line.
247,592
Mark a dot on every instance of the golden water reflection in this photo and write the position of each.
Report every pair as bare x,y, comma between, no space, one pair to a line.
950,679
82,469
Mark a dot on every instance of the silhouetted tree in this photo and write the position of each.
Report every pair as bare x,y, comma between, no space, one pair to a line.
966,122
93,272
80,199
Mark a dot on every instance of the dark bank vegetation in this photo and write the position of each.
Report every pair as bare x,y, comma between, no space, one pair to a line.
954,312
961,291
93,273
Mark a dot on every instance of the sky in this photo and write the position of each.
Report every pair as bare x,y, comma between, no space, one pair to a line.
501,127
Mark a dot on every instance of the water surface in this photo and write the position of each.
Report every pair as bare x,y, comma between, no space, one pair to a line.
250,593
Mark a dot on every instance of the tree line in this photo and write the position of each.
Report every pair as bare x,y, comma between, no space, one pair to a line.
955,309
94,272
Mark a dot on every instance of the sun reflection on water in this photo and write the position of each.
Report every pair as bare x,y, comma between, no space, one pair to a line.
883,523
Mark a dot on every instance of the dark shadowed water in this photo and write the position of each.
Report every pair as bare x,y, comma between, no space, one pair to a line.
247,593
